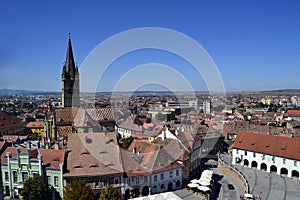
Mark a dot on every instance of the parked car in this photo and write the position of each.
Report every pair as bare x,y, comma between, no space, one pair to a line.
230,187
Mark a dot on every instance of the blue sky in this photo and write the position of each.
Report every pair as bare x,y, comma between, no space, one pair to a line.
255,44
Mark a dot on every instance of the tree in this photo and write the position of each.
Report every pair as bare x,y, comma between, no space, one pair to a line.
77,190
35,135
36,188
109,193
127,142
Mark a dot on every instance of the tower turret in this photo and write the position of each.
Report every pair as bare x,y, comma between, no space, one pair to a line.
70,80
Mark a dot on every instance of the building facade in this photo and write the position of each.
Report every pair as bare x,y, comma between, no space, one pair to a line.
273,154
18,164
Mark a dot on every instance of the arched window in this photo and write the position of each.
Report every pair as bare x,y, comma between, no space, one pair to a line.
273,168
283,171
254,164
263,167
295,174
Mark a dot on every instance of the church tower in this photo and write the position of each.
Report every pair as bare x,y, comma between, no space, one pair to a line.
70,80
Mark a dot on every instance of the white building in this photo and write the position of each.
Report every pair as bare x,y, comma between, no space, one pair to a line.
280,155
129,128
206,106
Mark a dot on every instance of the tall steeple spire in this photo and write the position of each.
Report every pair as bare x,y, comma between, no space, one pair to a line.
70,80
70,68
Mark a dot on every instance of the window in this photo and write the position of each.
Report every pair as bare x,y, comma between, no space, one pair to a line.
105,182
49,180
284,161
254,154
145,178
273,159
245,153
263,157
24,176
171,174
137,180
35,173
295,163
177,172
55,181
162,177
6,176
117,181
155,178
97,183
129,181
237,151
15,176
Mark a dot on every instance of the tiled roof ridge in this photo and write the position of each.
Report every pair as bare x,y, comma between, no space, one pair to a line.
268,144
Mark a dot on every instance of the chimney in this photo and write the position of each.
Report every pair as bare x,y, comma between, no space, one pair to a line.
56,146
47,145
164,135
28,145
8,155
138,157
43,142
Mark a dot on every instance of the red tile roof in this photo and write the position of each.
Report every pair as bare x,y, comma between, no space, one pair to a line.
293,113
7,120
65,115
64,130
92,154
268,144
143,147
14,138
13,151
101,114
36,124
52,158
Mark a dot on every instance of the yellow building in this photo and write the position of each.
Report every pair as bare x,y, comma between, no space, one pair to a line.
37,127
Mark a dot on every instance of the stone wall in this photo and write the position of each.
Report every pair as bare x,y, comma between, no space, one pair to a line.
231,171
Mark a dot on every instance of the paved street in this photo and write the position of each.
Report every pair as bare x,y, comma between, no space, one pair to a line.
224,193
220,191
270,186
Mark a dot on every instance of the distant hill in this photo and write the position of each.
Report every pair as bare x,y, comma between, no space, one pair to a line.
8,92
282,92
